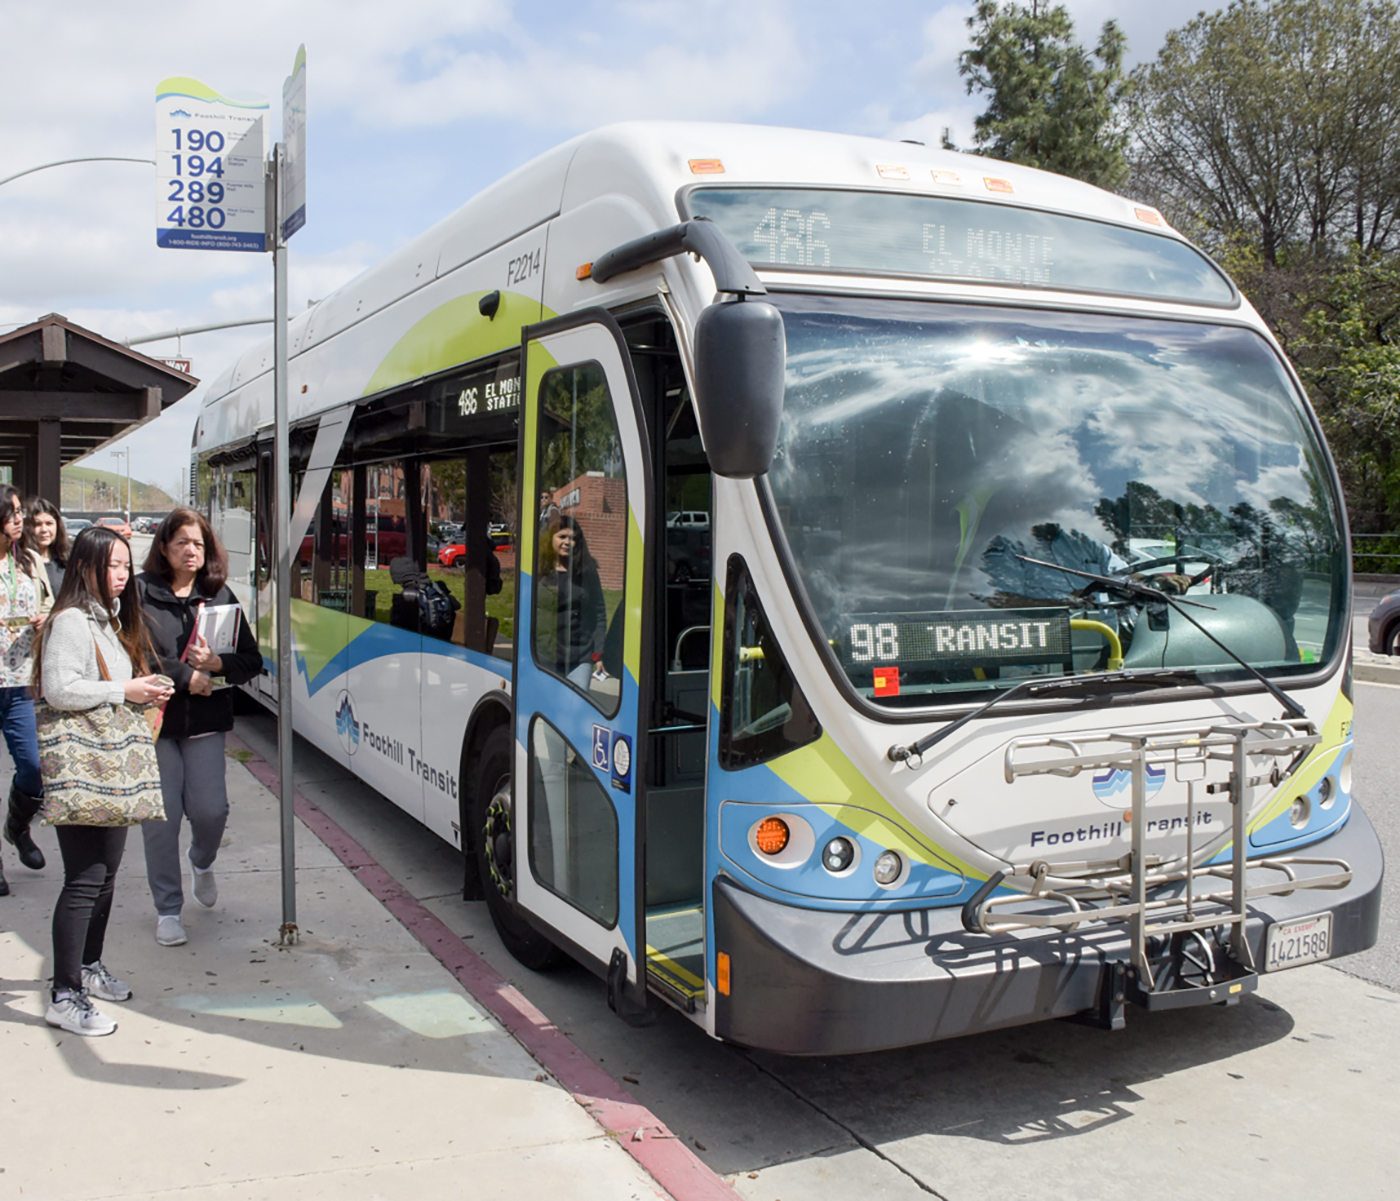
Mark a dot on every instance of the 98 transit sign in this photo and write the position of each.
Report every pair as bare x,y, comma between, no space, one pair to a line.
210,149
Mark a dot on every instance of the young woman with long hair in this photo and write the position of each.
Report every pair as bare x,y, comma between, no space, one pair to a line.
581,621
21,613
93,651
185,571
47,537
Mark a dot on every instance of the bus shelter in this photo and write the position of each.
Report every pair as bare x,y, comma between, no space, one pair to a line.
66,391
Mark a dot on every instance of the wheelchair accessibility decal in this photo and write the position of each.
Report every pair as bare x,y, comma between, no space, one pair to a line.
612,753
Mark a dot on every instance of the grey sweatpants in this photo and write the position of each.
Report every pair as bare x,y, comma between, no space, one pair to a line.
192,784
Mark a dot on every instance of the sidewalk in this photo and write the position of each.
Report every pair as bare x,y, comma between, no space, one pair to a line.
353,1065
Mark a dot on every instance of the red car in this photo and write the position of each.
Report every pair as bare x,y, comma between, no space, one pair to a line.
502,544
118,525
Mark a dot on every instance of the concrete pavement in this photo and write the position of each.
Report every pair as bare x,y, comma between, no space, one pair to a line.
351,1065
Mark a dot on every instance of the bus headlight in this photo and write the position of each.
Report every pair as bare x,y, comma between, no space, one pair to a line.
838,855
1326,792
1299,812
888,868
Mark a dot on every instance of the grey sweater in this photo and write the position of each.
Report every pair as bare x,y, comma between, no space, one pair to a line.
71,677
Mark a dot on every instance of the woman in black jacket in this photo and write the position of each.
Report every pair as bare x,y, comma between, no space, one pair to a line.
581,620
184,573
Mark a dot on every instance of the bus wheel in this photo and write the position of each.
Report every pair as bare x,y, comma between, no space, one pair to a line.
496,853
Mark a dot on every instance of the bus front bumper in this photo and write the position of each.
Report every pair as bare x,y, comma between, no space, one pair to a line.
811,982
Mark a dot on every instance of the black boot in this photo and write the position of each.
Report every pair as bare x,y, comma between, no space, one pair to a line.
22,811
4,884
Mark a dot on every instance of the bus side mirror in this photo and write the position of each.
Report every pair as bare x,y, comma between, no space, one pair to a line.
740,360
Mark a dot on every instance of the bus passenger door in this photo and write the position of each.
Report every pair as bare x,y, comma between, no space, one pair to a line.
579,738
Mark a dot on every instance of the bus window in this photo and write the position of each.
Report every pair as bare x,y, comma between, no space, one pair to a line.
765,713
325,548
581,557
573,828
385,540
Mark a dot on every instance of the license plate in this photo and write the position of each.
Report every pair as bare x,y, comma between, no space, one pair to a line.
1304,940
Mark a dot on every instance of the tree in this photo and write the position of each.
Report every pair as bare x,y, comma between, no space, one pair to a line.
1276,121
1349,356
1051,105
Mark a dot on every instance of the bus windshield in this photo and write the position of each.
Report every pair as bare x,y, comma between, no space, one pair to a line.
960,487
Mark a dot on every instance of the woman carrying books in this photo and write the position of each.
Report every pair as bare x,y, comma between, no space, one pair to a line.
184,577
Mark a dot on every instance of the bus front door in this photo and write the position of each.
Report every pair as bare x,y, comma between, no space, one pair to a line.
579,738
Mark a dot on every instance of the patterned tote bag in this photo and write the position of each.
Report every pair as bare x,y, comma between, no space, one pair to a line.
98,765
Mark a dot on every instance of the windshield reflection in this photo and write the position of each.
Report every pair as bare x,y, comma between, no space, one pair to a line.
928,452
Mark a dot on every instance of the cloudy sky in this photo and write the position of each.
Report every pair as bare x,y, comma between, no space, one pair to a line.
413,106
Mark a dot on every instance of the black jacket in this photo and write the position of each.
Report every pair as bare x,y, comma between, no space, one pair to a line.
170,623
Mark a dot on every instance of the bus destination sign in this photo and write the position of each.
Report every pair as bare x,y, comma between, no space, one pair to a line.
956,638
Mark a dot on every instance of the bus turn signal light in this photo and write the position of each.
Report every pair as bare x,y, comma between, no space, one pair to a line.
772,835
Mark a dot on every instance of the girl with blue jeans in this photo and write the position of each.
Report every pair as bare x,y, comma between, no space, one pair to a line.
20,616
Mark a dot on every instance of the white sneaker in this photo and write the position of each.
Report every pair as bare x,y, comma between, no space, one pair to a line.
100,983
77,1014
203,885
169,931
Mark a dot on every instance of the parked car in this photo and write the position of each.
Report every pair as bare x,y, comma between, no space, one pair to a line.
502,544
1383,628
116,523
688,519
74,524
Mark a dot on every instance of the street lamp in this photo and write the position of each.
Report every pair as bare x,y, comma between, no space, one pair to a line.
127,454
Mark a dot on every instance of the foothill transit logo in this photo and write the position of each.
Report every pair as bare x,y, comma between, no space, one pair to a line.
1110,783
346,725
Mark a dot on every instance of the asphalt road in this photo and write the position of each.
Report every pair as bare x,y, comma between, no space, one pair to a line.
1376,784
1193,1099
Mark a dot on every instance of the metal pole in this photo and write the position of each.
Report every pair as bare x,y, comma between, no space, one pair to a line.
283,520
63,162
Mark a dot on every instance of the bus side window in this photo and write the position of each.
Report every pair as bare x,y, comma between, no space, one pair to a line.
764,713
384,538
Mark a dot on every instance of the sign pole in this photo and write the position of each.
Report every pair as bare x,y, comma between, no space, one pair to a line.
282,522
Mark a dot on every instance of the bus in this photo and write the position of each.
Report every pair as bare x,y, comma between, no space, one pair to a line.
1000,671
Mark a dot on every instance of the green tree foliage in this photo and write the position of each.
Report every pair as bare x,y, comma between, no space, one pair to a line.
1051,104
1348,353
1279,121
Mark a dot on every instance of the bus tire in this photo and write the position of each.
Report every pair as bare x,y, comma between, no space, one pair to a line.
497,856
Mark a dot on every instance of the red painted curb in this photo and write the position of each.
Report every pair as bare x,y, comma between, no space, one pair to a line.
639,1132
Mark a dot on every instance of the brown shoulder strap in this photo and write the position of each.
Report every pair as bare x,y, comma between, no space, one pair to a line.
101,663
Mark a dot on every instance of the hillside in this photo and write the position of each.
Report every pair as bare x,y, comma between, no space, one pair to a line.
86,489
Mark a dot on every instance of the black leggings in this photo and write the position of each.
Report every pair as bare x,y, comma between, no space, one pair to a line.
91,856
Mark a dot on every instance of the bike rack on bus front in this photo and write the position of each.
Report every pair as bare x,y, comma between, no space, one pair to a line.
1127,895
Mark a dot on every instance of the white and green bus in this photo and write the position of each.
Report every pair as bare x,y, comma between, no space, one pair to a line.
923,593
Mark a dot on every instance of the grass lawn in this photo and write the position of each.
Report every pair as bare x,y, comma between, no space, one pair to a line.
501,606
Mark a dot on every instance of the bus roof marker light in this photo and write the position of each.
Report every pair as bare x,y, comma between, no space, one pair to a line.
706,166
998,185
771,835
890,171
947,178
583,271
1148,216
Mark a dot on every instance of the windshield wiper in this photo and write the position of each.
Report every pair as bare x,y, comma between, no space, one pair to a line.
1152,677
1290,706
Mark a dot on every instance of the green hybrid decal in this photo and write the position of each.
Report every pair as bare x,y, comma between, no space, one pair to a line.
455,333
